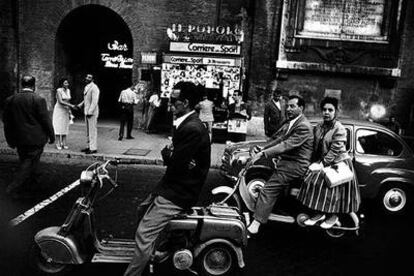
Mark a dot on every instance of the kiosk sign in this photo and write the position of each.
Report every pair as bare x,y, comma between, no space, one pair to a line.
202,60
205,48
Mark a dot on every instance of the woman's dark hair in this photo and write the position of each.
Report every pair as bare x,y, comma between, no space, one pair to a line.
329,100
61,81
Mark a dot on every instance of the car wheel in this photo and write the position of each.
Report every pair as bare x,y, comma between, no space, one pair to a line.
394,199
42,266
217,259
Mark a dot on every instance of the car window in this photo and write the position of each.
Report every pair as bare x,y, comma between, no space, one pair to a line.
348,139
377,143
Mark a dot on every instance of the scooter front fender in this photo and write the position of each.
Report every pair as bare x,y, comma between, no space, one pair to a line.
222,190
58,248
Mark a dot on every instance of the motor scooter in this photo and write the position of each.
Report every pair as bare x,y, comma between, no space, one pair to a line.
252,179
206,240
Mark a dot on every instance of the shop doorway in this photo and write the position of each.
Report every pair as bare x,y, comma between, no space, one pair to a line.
95,39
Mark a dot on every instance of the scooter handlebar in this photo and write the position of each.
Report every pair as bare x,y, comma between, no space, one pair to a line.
125,162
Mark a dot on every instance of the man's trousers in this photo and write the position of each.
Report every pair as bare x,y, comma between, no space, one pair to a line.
92,131
159,213
29,157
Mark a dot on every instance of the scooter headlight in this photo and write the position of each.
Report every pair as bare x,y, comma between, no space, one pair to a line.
86,177
183,259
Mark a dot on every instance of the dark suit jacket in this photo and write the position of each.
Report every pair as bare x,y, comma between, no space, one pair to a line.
26,120
273,117
294,147
188,165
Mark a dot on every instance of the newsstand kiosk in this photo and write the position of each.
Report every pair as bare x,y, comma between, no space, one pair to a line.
216,67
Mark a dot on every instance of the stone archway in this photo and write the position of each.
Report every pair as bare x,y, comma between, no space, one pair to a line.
95,39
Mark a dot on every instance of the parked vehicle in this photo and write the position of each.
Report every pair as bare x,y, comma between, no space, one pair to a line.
207,241
384,163
246,190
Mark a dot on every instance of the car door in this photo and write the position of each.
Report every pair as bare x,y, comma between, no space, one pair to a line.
374,150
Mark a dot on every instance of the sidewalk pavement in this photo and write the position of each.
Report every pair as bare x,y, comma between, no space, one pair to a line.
144,149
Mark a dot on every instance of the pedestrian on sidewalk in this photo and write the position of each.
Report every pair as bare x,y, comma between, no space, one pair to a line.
154,104
91,111
274,113
27,127
62,114
128,98
206,112
188,162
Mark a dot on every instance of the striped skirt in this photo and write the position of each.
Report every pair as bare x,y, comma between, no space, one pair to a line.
316,194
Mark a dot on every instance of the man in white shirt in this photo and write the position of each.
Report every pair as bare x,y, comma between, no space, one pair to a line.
128,98
188,162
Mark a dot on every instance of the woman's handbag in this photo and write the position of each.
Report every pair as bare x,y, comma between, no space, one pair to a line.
338,174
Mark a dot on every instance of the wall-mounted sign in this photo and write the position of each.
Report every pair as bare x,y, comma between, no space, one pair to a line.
206,33
202,60
206,29
335,93
148,57
344,19
206,48
117,56
118,61
116,46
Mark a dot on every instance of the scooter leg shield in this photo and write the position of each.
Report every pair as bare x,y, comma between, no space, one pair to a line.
57,248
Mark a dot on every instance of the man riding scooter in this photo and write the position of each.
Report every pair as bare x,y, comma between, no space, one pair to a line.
188,162
292,146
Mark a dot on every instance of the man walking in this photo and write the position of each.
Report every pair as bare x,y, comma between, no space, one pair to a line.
27,127
188,162
293,146
274,113
128,98
91,111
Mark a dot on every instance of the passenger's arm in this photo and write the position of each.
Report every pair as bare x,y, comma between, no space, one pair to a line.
336,147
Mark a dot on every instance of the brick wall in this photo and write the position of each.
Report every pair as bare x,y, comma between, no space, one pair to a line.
405,90
7,51
146,19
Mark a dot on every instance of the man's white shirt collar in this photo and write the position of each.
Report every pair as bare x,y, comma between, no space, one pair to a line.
177,122
292,122
277,103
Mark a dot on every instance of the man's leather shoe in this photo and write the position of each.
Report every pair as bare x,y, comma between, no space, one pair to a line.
91,151
130,137
120,138
85,150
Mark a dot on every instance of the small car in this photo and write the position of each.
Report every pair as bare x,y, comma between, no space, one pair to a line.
383,162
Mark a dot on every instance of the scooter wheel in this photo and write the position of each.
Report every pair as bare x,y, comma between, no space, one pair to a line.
41,266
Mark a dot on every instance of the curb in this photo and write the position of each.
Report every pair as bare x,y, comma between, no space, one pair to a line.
97,157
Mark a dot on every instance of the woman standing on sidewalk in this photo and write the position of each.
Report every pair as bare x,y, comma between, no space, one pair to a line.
62,114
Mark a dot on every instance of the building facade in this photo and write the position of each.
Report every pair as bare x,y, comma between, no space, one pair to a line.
359,51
